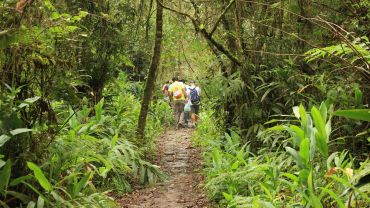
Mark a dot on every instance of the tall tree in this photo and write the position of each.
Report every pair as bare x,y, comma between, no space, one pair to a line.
149,86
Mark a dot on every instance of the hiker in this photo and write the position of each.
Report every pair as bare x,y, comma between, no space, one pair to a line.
187,107
195,94
165,89
178,96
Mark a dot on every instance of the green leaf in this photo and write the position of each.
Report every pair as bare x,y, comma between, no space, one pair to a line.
323,111
227,196
82,183
321,136
296,112
312,145
294,154
114,141
43,181
267,191
32,100
49,5
299,134
294,178
303,176
356,114
19,131
358,96
31,204
28,101
304,151
55,15
321,144
328,128
314,201
99,110
277,128
35,190
5,176
24,198
19,180
310,181
319,121
2,163
235,165
3,139
334,196
302,113
40,202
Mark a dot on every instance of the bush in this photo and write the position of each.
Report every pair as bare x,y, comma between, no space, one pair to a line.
296,171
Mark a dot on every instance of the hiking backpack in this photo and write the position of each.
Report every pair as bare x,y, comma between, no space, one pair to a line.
194,96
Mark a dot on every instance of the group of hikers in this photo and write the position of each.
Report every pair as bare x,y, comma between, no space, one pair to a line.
184,98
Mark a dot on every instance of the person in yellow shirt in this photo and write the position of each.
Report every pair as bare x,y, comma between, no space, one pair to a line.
179,97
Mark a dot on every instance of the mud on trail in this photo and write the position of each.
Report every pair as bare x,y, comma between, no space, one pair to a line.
182,163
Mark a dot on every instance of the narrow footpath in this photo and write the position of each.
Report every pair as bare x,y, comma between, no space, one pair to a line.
182,163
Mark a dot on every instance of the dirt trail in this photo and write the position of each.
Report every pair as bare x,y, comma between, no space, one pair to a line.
182,163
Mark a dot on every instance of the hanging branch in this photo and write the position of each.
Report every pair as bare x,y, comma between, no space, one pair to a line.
205,34
147,23
220,17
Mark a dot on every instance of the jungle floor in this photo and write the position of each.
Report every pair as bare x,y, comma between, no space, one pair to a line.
181,161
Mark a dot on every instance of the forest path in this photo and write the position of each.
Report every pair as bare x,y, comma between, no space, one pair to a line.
182,163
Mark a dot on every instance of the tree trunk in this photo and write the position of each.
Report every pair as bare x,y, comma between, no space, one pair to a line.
149,86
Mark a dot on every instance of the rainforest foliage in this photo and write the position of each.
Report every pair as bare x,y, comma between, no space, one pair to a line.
284,117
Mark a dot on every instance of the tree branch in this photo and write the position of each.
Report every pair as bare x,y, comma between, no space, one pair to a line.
205,34
220,17
175,11
220,47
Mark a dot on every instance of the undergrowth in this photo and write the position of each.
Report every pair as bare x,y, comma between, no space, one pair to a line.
92,154
293,169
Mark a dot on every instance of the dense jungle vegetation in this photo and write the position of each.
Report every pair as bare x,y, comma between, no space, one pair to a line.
285,103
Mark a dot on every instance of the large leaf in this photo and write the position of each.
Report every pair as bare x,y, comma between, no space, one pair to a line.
19,131
3,139
304,151
82,183
295,155
298,134
321,136
43,181
5,176
356,114
302,113
296,112
321,144
319,121
24,198
19,180
40,202
28,101
323,111
99,110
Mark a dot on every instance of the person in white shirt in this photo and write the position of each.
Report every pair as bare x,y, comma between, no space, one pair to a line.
195,94
187,107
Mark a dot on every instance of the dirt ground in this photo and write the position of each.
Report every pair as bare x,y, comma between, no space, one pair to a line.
184,187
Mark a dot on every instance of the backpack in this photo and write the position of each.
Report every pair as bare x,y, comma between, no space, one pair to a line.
194,96
177,94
